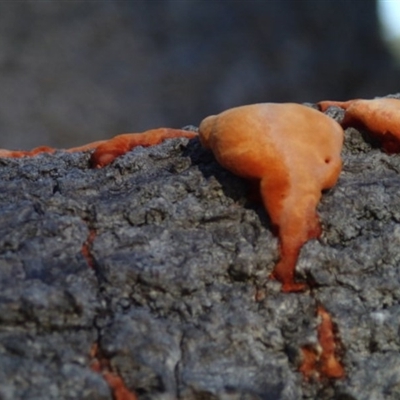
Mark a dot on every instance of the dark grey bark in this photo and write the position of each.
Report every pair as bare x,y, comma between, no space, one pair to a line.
167,287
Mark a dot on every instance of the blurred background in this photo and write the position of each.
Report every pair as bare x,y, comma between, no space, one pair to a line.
78,71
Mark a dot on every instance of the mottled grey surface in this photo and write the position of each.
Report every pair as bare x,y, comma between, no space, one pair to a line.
178,257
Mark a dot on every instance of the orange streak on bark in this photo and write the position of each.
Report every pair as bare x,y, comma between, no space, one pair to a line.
322,362
115,382
117,385
309,366
87,248
329,364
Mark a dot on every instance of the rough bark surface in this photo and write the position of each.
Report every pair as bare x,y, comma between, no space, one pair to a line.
160,262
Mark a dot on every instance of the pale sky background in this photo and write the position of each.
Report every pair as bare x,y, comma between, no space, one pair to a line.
389,13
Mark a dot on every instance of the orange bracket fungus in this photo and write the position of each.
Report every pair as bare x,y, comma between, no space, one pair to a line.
291,151
381,117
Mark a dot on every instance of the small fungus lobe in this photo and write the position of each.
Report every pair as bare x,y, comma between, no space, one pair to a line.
380,117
